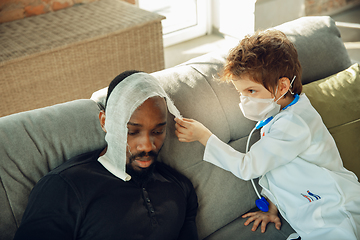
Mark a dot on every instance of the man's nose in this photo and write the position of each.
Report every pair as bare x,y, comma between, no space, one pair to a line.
146,144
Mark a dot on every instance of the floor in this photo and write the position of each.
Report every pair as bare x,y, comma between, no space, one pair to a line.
348,23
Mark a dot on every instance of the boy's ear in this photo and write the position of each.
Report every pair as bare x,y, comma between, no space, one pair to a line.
102,118
284,85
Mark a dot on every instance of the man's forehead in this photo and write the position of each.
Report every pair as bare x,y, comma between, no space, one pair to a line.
154,102
153,109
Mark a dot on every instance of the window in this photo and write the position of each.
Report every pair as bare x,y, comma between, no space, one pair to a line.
185,19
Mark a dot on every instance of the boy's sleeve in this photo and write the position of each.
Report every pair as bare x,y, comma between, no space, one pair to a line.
288,137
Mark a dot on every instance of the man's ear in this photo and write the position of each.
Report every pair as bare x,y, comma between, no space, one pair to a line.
102,118
284,85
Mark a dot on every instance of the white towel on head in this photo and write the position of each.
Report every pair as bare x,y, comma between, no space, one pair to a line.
125,98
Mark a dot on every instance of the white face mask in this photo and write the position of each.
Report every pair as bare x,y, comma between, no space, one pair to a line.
258,109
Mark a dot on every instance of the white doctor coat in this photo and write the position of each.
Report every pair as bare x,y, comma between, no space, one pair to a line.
301,173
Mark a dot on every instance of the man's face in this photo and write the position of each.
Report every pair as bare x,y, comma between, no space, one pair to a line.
146,134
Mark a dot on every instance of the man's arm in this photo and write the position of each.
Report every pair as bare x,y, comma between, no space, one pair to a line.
51,213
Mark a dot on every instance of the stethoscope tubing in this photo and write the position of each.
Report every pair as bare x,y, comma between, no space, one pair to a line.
261,203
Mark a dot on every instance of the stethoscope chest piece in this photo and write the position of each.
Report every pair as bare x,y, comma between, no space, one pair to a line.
262,204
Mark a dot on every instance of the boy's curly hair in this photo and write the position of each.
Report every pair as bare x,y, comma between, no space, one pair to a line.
265,57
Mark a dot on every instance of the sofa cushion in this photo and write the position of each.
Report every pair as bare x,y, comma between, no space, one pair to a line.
319,45
33,143
337,99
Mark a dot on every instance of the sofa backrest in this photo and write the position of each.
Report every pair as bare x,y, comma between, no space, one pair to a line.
32,143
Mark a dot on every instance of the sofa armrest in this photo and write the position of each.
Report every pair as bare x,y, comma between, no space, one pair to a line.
33,143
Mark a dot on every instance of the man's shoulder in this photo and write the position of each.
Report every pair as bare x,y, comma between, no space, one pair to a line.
77,171
78,160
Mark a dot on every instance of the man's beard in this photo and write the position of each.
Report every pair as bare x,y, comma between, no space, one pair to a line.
143,174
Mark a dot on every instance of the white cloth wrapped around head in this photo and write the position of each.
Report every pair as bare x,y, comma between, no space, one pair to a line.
124,99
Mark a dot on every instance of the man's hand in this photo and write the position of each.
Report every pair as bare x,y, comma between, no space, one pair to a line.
264,218
189,130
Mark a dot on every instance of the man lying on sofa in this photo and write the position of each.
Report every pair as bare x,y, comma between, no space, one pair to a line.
120,192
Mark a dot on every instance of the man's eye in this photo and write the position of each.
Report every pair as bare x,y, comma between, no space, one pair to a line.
252,91
131,133
158,132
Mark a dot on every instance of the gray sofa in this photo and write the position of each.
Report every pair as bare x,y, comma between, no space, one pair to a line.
32,143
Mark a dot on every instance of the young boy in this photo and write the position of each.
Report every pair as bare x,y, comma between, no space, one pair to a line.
297,160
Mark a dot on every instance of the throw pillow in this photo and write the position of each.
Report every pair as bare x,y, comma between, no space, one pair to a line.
337,99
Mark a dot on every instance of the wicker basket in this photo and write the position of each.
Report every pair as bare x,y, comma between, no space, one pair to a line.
69,54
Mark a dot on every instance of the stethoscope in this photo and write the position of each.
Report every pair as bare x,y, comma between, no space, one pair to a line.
262,203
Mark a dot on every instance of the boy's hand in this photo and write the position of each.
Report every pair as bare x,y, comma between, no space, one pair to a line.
264,218
189,130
